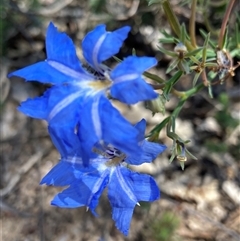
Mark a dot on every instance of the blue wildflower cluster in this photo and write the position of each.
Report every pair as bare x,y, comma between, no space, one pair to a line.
95,141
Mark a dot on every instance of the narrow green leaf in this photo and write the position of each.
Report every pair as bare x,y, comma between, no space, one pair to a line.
150,2
134,52
184,66
190,154
173,123
173,64
204,34
117,59
195,79
167,40
183,33
167,52
205,45
160,126
194,60
225,38
182,164
193,53
154,77
210,91
172,157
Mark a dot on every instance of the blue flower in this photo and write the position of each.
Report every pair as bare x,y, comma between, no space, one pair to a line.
63,66
78,97
109,168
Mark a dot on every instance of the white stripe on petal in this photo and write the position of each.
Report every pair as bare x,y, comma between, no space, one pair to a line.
127,77
73,160
97,185
124,185
63,104
96,50
96,118
68,71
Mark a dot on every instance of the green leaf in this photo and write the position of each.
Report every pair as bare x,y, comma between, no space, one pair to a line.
183,33
117,59
210,91
172,157
167,52
173,64
193,53
184,66
225,38
159,127
150,2
167,40
195,79
190,154
170,83
204,34
182,164
154,77
205,45
134,52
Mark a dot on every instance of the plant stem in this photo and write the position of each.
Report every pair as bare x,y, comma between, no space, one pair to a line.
192,23
174,23
224,23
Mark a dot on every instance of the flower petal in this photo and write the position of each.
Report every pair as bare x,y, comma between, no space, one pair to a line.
150,150
141,127
144,186
59,104
100,121
128,85
72,197
99,45
61,174
122,200
60,48
62,64
43,73
125,189
65,140
83,192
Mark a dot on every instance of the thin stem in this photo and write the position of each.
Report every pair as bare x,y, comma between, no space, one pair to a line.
174,23
172,19
224,23
192,24
194,90
177,93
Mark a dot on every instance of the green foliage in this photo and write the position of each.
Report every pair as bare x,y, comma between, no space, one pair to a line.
224,116
163,228
96,5
216,146
150,2
209,63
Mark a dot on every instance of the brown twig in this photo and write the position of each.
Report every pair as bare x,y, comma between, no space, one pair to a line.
224,23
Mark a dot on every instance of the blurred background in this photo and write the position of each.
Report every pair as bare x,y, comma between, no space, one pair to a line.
199,203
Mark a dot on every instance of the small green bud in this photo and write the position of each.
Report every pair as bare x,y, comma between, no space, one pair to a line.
157,105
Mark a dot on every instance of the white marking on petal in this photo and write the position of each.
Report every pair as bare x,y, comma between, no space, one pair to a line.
97,185
125,186
96,50
96,118
127,77
73,159
63,104
68,71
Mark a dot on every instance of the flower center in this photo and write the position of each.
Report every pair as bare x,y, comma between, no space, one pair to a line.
113,154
